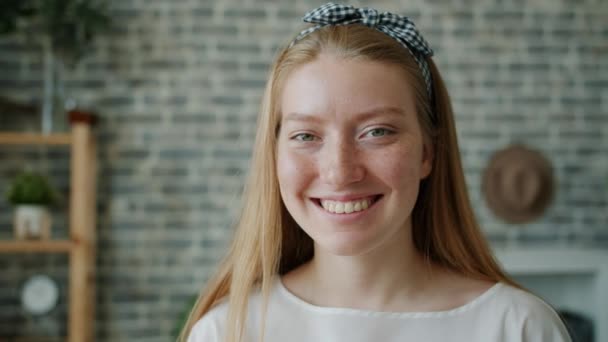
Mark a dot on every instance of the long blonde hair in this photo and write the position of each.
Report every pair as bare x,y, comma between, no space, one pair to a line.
269,242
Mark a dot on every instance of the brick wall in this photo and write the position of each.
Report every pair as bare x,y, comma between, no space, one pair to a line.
177,85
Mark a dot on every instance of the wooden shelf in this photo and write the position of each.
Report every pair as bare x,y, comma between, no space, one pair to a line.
8,138
38,339
36,246
81,247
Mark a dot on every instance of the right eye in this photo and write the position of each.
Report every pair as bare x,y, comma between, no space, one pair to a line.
303,137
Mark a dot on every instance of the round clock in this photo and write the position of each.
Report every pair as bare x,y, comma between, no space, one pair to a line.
39,294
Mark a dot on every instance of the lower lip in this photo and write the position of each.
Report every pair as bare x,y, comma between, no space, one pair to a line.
352,217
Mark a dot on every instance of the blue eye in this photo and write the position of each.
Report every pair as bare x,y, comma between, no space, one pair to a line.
378,132
304,137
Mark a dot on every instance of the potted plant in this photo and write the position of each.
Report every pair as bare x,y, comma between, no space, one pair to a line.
68,27
65,29
32,195
10,13
13,13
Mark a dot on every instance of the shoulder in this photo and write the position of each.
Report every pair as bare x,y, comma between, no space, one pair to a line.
522,303
528,315
210,327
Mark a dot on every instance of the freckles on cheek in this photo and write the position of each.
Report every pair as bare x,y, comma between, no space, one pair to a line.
294,172
302,170
398,167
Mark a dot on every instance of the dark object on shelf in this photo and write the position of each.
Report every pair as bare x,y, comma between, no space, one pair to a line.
518,184
580,327
8,106
79,115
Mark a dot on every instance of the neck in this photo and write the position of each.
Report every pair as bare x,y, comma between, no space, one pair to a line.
380,280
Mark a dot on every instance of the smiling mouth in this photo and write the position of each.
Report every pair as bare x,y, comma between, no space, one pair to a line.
347,207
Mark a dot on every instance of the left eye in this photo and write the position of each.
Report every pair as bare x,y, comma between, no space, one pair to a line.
304,137
377,132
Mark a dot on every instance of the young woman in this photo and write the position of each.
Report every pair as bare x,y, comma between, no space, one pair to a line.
356,223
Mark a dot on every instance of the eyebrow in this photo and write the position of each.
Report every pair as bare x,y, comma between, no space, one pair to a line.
366,115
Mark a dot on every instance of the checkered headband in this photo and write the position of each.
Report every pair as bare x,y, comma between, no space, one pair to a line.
398,27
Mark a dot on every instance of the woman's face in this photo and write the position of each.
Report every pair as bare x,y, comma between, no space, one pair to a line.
350,153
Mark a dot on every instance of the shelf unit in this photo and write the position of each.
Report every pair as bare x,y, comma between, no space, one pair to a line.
81,245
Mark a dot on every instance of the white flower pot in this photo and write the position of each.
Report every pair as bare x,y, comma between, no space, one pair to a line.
32,222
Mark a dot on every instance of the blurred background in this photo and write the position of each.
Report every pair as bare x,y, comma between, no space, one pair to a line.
176,87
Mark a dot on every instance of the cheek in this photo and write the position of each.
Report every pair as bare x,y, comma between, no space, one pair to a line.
399,167
294,172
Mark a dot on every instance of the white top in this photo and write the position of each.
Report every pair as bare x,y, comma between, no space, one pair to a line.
501,314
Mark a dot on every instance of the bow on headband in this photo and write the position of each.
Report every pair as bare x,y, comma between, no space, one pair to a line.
398,27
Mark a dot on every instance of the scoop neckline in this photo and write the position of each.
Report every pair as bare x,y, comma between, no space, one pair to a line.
388,314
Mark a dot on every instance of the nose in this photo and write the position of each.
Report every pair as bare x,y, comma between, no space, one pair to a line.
340,164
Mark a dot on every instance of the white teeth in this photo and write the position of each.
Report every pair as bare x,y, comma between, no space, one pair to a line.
337,207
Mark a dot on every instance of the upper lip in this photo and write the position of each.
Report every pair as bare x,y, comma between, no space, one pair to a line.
346,198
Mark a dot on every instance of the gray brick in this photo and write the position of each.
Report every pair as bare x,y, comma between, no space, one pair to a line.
180,153
134,153
194,119
202,12
258,66
251,13
225,65
216,30
227,100
162,65
238,48
495,16
290,13
174,189
116,101
121,14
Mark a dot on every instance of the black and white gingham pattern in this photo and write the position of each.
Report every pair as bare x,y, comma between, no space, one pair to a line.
399,27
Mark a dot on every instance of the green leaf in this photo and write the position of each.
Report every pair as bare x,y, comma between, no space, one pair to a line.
31,188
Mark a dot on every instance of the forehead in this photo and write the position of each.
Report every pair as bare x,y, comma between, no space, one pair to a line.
338,86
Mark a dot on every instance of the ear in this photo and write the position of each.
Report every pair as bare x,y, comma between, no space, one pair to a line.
428,154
